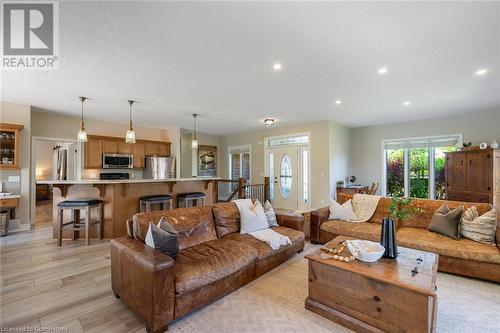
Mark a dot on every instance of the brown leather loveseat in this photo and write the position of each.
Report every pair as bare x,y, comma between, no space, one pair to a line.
462,256
214,259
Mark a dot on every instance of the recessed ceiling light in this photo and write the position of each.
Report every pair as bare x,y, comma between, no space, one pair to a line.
269,122
481,72
338,102
382,70
407,103
277,66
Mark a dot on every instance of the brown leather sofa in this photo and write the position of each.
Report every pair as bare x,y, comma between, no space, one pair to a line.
462,257
214,259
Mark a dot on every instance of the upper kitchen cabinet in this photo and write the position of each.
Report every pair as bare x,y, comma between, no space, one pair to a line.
93,153
9,145
138,152
98,145
153,148
125,148
110,146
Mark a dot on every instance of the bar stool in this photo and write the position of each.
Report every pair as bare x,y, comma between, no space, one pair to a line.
162,199
75,206
184,199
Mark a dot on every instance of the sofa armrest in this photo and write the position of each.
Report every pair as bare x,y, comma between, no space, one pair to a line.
318,216
144,278
497,235
291,221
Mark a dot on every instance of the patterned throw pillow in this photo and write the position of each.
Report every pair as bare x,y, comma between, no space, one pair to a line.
479,228
270,215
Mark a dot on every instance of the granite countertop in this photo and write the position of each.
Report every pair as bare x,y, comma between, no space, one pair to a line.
122,181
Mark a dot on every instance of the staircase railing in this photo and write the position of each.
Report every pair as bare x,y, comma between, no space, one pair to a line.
231,189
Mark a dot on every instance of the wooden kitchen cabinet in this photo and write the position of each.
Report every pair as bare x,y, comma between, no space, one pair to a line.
9,145
109,146
93,153
138,152
157,148
125,148
97,145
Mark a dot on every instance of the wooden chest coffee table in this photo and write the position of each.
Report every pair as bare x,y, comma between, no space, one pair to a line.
384,296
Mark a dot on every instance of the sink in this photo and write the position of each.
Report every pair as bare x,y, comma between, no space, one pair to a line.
4,194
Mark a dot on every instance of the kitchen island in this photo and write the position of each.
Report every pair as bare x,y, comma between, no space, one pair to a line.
121,198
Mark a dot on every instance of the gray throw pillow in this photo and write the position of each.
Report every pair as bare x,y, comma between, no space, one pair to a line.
445,222
163,237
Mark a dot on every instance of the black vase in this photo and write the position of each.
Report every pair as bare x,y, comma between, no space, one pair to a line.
388,238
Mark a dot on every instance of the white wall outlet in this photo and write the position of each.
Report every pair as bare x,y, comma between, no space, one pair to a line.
14,179
322,202
132,175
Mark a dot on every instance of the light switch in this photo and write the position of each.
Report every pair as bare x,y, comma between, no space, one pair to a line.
14,179
322,175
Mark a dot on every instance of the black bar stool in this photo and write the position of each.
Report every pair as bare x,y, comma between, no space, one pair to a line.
190,199
163,199
75,206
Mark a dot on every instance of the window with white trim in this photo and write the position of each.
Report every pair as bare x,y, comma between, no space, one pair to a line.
415,167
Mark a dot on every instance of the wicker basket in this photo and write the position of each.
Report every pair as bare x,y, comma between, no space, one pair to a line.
4,222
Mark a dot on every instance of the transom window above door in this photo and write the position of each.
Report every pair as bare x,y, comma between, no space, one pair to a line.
415,167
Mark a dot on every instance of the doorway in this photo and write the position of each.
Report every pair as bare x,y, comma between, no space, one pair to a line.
52,159
239,162
287,159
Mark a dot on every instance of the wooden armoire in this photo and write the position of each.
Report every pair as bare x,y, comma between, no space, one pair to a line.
473,176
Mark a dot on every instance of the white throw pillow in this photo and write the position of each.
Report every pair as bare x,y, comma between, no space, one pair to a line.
344,212
252,218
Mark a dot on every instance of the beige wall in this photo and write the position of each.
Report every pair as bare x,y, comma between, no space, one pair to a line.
324,135
20,114
190,158
366,141
44,158
55,125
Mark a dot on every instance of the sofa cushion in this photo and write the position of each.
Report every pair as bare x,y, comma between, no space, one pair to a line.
211,261
422,239
364,230
445,221
194,225
226,218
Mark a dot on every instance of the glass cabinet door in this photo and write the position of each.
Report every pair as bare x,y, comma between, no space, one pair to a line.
9,146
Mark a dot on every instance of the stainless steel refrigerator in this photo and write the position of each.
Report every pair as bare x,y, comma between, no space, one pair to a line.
159,167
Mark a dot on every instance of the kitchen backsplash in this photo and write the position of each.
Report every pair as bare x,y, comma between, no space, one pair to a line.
11,181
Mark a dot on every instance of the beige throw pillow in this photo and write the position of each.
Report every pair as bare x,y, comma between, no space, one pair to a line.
479,228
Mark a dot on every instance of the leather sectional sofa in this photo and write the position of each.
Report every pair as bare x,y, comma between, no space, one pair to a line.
462,257
214,259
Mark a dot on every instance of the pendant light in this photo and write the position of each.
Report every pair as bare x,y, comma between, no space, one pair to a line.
82,134
194,143
130,135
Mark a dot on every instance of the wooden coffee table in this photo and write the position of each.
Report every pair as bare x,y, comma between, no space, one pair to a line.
384,296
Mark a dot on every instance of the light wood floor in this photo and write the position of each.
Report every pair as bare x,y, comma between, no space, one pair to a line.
67,287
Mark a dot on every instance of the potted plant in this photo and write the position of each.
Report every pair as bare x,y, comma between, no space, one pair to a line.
400,209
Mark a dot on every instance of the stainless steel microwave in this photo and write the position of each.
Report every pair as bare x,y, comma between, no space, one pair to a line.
117,161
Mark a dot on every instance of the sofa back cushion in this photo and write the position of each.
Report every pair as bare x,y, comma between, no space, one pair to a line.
227,218
194,225
429,206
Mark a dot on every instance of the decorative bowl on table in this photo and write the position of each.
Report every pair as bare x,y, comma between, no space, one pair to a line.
365,250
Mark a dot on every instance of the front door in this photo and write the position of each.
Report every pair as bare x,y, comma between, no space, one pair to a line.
286,176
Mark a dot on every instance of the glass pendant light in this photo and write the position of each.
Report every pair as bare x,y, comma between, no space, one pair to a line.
194,143
82,134
130,135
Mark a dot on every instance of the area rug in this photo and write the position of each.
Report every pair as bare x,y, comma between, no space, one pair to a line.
275,303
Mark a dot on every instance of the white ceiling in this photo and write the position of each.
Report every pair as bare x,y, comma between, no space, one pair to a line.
215,59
